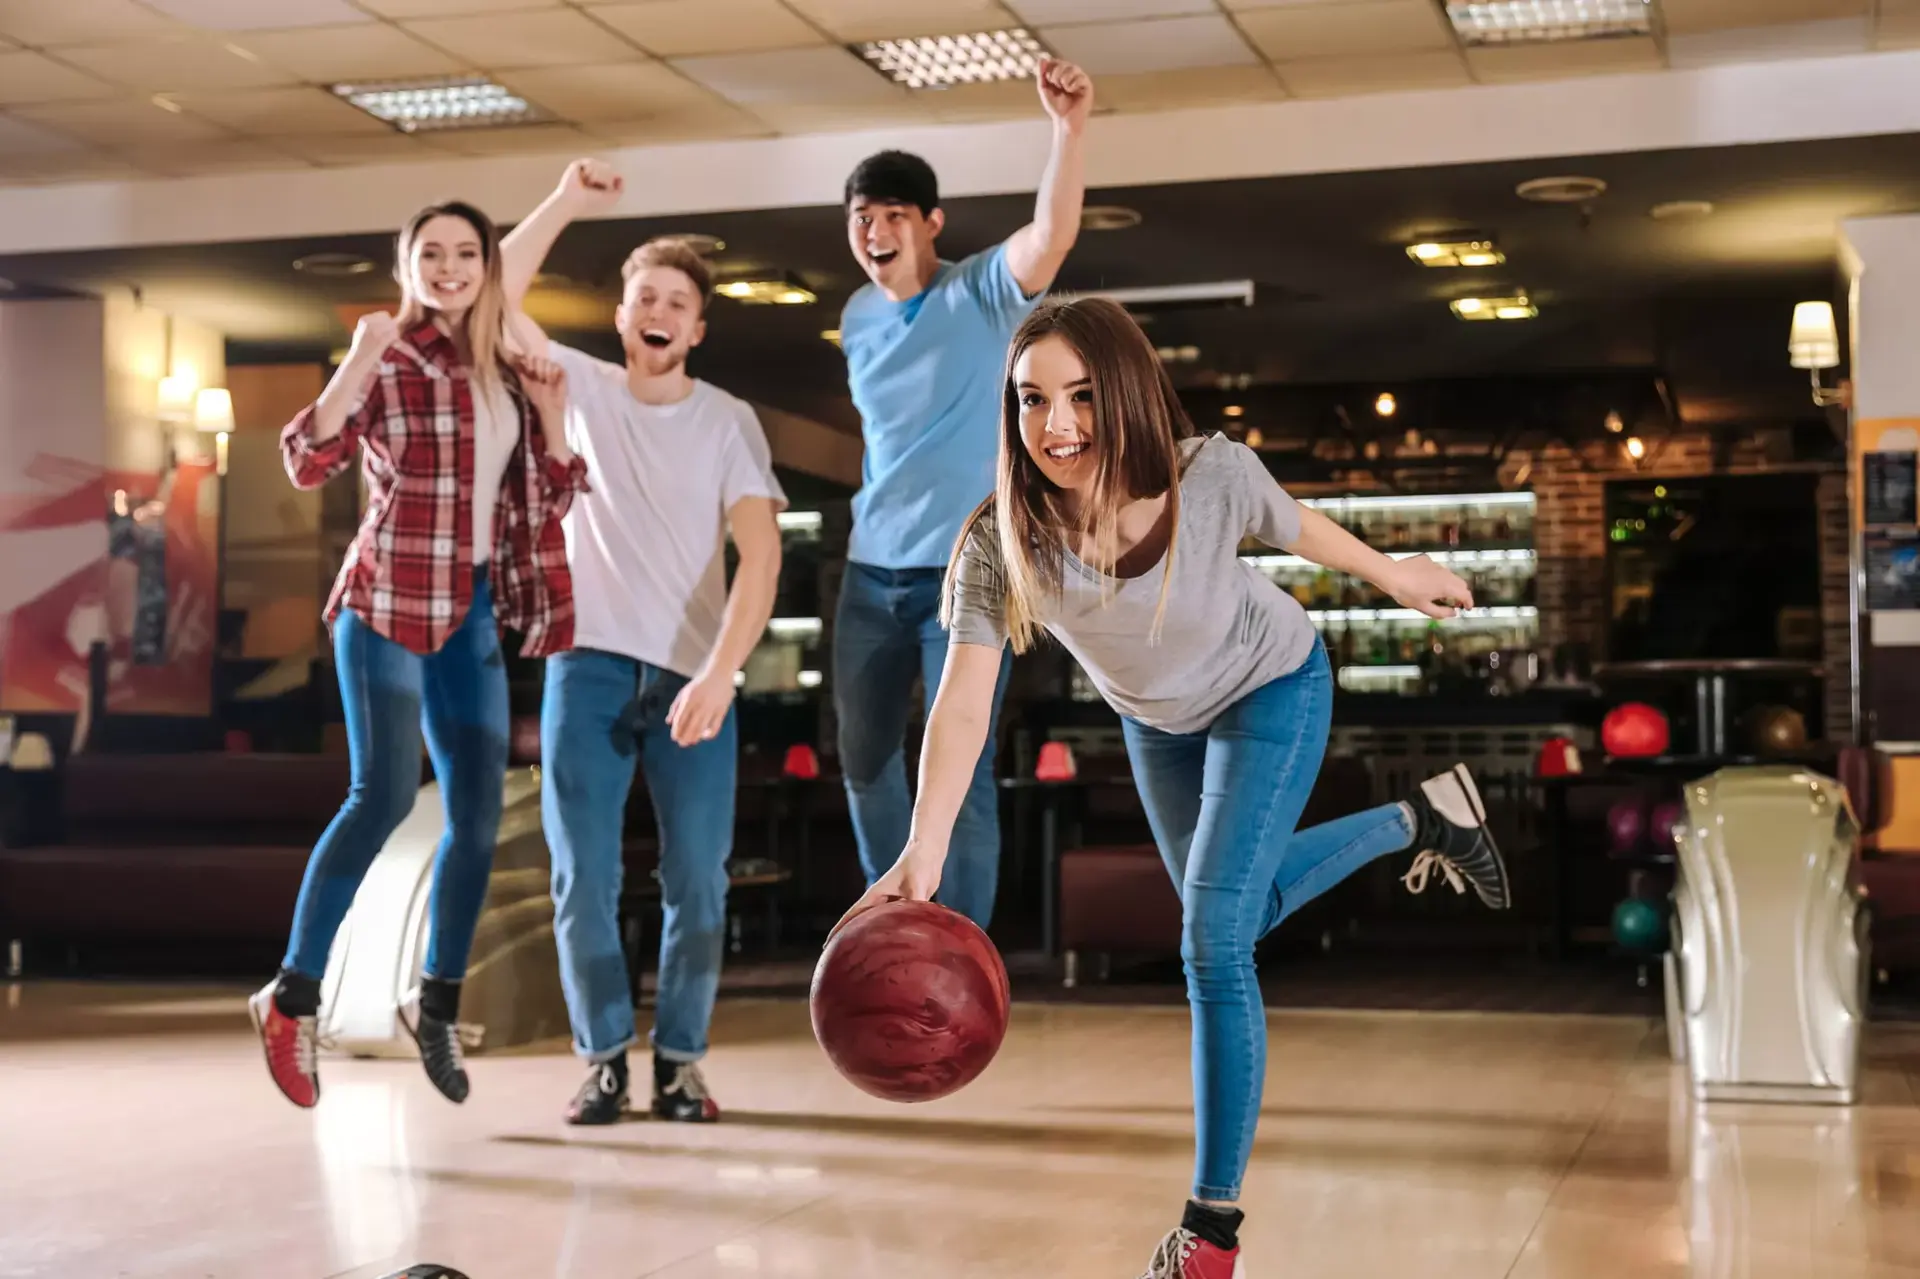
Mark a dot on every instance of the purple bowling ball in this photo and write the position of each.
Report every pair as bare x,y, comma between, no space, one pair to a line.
1626,825
1669,819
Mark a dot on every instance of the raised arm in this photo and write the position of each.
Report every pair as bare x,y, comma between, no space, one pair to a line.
956,734
1036,251
697,713
588,187
319,443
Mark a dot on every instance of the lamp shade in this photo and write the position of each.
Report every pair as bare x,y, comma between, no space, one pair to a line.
213,409
1814,342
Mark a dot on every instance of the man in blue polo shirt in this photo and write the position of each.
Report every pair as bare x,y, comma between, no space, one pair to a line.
926,346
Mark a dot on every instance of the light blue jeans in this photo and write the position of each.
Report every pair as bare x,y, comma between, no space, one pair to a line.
387,694
1223,804
602,714
887,630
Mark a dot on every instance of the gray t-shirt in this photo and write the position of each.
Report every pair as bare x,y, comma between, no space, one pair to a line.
1227,628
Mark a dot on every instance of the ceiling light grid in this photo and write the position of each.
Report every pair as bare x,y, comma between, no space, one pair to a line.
1502,22
432,105
940,62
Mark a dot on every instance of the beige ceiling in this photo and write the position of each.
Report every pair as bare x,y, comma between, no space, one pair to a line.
93,89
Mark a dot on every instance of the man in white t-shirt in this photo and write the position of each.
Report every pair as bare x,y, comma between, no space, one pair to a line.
676,463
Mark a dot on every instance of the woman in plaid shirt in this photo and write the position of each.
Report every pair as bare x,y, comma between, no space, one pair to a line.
466,485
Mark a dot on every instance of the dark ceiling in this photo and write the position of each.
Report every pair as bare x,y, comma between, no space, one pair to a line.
1680,319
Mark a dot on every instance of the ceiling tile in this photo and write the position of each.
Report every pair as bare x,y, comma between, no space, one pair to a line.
27,139
360,148
678,28
1566,58
123,123
1347,30
1053,13
539,38
993,100
686,124
562,140
1376,73
817,118
52,22
1899,25
618,91
1192,87
1158,44
1831,37
275,112
227,155
450,8
790,76
174,65
1684,17
256,15
855,20
28,77
70,166
329,55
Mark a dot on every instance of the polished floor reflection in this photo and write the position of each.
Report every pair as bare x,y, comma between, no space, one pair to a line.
142,1138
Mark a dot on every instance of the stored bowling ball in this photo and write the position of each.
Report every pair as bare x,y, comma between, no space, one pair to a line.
1777,730
1639,925
1669,817
910,1001
1626,825
1634,730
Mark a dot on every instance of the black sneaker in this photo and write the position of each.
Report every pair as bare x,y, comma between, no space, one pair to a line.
1451,836
440,1050
602,1099
680,1093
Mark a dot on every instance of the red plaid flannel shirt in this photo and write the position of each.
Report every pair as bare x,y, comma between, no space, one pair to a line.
409,572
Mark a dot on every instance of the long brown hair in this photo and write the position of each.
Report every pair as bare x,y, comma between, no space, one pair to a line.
1138,424
487,318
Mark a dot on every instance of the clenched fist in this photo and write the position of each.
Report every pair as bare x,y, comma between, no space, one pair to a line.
590,186
1066,92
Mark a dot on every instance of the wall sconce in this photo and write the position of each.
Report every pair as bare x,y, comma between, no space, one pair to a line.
1814,344
1636,447
213,415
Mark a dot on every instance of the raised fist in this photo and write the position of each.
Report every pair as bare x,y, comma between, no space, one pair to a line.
590,186
375,332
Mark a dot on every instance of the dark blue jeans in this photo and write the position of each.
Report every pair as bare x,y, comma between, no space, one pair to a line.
1223,804
388,694
602,713
886,633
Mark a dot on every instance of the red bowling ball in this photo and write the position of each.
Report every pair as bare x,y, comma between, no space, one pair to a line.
1634,730
910,1001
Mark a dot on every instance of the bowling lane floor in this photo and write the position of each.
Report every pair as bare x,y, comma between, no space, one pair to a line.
139,1136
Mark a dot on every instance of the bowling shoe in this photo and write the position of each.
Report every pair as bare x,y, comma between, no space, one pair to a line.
1451,837
680,1093
288,1043
1185,1255
602,1099
439,1045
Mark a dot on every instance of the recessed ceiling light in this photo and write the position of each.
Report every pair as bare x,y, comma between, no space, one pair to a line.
831,335
460,102
1456,253
700,242
940,62
1179,354
1108,217
1386,405
1680,209
1482,22
1518,307
1234,410
1561,190
333,265
770,292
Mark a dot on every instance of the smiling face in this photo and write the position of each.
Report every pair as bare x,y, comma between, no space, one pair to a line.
893,243
659,318
1056,412
446,265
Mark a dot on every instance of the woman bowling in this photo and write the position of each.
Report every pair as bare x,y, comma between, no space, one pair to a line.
1116,529
468,474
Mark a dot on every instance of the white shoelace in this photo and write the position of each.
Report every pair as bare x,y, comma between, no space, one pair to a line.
304,1056
1423,867
689,1080
1170,1258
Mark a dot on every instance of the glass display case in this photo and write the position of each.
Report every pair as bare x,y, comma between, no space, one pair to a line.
1379,646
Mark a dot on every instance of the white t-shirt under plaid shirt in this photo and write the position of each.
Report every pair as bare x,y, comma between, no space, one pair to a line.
648,545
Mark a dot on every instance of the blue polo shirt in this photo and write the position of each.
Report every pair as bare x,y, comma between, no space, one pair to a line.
926,375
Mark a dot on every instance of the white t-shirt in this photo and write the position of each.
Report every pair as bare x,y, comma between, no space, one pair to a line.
647,546
496,429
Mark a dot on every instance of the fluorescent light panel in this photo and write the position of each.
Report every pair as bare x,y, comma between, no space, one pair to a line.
1484,22
940,62
421,106
1456,253
1518,307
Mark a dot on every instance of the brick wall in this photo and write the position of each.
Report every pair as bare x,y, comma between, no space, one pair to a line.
1570,539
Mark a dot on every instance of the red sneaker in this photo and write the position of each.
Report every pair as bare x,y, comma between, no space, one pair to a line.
1184,1255
289,1046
